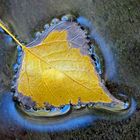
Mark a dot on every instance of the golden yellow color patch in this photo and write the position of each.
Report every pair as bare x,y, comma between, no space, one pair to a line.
57,73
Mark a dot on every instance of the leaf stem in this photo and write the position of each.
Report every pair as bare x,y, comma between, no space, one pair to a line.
8,32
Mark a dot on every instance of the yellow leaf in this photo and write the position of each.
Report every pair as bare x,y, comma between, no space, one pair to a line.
56,72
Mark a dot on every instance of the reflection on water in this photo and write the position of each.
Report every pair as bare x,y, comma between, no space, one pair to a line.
11,117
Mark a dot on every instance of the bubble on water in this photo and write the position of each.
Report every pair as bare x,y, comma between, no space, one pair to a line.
46,26
54,21
19,49
37,34
68,17
19,60
66,108
15,67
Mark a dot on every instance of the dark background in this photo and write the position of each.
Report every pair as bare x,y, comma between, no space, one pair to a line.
118,22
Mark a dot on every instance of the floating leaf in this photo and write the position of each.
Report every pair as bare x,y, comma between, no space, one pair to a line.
59,71
56,70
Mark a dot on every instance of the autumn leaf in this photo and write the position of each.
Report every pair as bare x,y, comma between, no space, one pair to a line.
59,71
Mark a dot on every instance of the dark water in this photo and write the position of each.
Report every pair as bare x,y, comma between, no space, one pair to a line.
117,24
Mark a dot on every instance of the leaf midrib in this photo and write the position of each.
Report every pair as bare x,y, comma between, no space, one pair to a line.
29,51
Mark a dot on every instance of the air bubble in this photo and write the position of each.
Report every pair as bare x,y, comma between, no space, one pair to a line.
37,34
46,27
55,21
19,49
